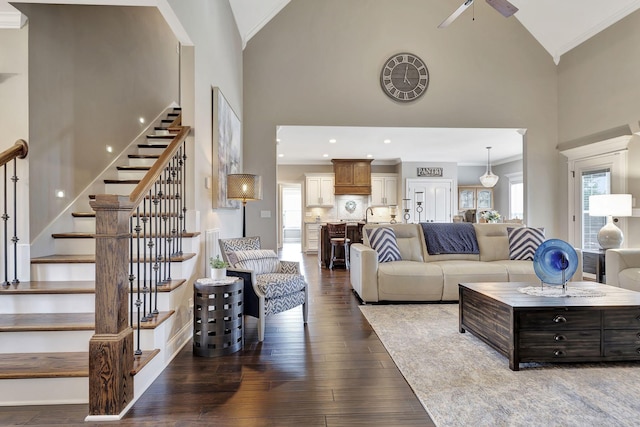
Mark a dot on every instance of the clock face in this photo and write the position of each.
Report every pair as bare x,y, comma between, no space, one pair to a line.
404,77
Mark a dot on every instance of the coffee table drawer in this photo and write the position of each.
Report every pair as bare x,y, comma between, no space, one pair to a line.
628,336
622,350
557,319
571,337
567,351
627,318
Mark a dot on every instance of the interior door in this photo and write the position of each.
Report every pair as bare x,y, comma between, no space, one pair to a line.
429,200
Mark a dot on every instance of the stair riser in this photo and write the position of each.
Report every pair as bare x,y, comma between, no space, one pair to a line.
64,341
79,272
131,174
48,303
85,246
142,162
119,188
44,391
150,151
81,303
84,225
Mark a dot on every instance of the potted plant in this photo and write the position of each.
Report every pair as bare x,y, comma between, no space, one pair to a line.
491,216
218,267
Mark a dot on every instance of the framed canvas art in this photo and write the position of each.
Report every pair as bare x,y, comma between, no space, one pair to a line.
226,149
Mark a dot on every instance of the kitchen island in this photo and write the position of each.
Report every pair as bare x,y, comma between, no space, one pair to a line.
354,233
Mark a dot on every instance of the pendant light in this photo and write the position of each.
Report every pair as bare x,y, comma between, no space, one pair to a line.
489,179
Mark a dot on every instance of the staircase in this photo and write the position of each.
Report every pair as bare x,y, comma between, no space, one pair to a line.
46,323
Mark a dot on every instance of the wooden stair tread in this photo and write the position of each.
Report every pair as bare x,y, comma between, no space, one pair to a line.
57,365
28,322
85,235
136,181
170,136
144,156
51,287
133,168
89,259
153,146
83,214
73,287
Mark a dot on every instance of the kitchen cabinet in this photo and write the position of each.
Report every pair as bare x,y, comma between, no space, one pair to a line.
319,190
352,176
384,189
311,237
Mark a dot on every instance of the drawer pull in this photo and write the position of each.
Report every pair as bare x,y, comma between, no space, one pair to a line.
638,335
558,353
561,319
559,337
638,317
638,350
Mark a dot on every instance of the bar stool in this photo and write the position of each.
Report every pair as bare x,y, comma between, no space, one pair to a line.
338,237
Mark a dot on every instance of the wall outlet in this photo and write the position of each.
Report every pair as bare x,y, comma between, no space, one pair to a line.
265,214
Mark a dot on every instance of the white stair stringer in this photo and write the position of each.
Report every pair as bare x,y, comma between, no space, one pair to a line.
44,391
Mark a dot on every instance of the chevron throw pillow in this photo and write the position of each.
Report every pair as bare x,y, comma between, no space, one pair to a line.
384,241
523,242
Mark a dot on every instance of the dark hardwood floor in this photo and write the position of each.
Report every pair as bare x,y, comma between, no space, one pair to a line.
333,372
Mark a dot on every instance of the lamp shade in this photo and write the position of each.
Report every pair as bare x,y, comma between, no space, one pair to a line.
244,186
610,204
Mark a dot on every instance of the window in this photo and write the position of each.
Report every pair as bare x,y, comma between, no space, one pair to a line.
516,196
593,183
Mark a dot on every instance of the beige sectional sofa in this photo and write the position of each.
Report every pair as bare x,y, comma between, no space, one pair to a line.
420,276
622,268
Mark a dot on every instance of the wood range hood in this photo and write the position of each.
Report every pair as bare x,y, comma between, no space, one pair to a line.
352,176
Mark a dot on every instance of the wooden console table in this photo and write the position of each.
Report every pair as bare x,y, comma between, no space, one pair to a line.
527,328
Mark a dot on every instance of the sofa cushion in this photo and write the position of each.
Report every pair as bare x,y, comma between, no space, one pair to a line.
493,240
409,281
456,272
519,271
524,241
260,261
383,241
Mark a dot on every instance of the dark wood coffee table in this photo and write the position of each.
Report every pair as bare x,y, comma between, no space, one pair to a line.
527,328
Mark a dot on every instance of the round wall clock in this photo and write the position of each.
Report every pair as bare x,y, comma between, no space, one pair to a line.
404,77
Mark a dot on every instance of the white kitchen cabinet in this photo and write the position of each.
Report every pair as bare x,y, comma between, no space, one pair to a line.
384,189
319,190
312,237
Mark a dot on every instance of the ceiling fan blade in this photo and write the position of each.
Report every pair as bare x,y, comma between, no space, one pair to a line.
503,6
455,14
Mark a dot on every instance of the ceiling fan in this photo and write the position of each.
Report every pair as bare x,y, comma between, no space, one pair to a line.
502,6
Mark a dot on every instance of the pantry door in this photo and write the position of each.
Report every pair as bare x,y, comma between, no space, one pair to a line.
434,195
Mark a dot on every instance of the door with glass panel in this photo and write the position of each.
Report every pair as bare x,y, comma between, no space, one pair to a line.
593,176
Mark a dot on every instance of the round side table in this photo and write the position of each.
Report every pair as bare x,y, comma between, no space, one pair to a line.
217,316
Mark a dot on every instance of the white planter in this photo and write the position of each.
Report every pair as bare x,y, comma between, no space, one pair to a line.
218,273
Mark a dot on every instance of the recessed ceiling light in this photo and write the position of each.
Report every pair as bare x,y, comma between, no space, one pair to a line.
387,141
369,156
109,149
332,141
325,155
141,120
277,139
280,155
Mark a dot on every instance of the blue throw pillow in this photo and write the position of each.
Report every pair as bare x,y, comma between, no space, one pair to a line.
384,241
524,241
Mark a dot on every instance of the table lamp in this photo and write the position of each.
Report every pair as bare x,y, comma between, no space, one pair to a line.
610,205
244,187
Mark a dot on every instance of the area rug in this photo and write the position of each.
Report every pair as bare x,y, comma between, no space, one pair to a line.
461,381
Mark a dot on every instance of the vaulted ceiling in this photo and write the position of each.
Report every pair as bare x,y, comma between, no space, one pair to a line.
558,25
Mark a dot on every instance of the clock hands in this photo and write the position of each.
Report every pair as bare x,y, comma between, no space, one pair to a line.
406,70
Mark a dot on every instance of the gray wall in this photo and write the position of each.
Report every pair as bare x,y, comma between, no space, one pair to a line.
93,71
598,98
318,63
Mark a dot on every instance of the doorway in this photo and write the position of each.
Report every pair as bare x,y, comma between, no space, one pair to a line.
290,235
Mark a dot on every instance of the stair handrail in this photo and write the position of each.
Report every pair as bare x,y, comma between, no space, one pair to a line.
18,150
154,173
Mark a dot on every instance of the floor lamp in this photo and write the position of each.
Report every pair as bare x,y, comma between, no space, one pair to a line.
244,187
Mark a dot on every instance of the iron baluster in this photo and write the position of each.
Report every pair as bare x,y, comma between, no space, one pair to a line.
15,239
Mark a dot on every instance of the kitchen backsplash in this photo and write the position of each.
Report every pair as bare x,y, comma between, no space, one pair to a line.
348,208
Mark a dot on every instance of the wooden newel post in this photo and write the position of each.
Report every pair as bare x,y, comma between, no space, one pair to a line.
111,347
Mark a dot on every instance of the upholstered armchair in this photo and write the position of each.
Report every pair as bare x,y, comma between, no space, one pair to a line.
271,286
622,268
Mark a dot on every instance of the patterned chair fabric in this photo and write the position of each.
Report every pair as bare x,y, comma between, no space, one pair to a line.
271,286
